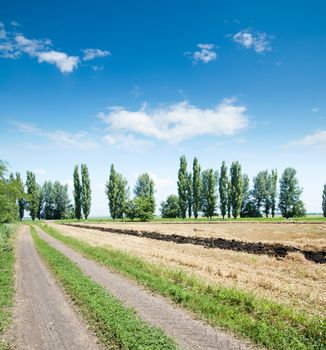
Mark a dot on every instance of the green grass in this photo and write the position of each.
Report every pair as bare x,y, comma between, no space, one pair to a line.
116,326
263,321
7,259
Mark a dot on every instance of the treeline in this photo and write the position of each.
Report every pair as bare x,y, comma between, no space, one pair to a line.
227,192
49,201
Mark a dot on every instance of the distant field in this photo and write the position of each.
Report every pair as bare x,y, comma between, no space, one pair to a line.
292,280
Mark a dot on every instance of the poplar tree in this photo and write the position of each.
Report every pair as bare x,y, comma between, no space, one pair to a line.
182,187
273,190
123,194
246,193
145,200
209,192
260,191
236,188
290,204
32,195
223,190
196,187
77,194
86,191
229,198
189,193
21,196
324,201
112,188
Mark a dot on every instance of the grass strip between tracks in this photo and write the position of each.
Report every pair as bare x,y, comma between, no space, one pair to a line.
116,326
7,282
263,321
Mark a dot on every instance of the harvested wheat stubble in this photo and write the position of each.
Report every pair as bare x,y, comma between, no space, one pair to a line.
293,280
276,249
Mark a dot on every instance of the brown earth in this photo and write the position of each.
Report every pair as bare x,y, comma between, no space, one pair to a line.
189,333
43,318
276,249
307,236
293,280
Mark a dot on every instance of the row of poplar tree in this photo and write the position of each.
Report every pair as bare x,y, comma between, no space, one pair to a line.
229,191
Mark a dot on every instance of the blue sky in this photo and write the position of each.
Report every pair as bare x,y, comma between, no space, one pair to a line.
138,84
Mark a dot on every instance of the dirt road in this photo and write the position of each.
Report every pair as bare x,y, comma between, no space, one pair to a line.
43,317
189,333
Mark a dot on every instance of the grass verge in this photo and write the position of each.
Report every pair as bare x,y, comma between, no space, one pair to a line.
116,326
7,260
265,322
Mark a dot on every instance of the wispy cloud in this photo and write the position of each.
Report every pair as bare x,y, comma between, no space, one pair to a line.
91,54
63,139
178,122
315,109
126,142
260,42
316,140
13,45
205,53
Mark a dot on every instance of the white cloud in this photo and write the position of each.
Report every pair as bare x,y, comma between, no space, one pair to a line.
178,122
126,142
65,63
62,139
90,54
259,41
315,109
205,53
316,140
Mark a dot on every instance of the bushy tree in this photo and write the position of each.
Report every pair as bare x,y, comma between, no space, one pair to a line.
131,209
261,191
209,192
61,200
123,195
170,208
324,201
144,197
196,187
77,194
290,204
183,186
9,193
223,190
48,199
32,195
236,188
86,191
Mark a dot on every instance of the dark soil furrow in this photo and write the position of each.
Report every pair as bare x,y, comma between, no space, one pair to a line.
277,250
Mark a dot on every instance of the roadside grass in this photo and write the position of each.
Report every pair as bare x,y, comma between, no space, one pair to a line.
116,326
277,219
265,322
7,288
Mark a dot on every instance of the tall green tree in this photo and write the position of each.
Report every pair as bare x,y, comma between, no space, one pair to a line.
182,187
8,195
40,201
223,190
21,196
209,192
61,200
77,194
245,194
290,204
189,193
123,195
236,188
112,191
273,191
229,207
144,197
261,191
32,195
324,201
196,187
86,191
170,208
48,198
